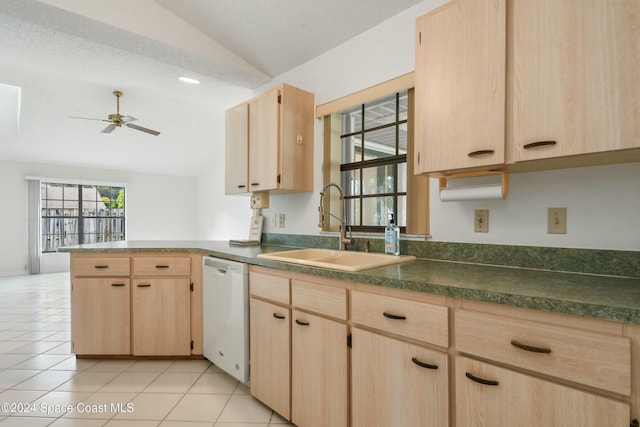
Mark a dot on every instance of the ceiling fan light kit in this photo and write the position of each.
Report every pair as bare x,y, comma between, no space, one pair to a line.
117,119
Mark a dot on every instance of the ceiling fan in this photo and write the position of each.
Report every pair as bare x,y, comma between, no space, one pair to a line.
117,119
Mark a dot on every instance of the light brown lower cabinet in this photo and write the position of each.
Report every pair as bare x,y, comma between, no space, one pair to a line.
425,360
488,395
396,383
161,317
142,304
270,355
101,315
319,371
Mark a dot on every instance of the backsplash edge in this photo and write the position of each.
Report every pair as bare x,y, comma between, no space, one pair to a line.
575,260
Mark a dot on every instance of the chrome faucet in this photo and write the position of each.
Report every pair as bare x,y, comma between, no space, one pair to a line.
342,237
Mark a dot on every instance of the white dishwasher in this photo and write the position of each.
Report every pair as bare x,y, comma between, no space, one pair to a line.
225,308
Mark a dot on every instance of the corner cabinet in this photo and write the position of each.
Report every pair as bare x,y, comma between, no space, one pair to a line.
136,305
269,142
460,86
536,372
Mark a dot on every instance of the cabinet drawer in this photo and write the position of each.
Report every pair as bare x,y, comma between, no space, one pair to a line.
412,319
323,299
162,266
594,359
274,288
96,266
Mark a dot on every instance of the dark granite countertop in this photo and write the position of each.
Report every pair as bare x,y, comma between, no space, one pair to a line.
590,295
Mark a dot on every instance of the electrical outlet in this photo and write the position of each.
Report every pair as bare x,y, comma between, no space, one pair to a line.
557,221
481,221
281,220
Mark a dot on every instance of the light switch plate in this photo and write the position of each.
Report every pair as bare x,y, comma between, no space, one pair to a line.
481,220
557,221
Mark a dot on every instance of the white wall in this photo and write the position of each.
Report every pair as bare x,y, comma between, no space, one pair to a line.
603,202
158,207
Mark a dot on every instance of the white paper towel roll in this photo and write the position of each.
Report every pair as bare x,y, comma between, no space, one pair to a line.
475,192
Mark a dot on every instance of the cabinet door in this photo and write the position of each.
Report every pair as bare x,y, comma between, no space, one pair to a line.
100,311
395,383
509,398
264,137
575,77
236,153
319,371
270,347
460,86
161,317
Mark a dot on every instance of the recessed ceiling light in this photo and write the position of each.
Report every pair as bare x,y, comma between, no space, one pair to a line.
189,80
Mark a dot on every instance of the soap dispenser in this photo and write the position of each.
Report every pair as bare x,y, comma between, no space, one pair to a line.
392,237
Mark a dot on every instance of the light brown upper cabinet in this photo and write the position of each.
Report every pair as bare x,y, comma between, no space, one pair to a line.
269,142
575,72
510,81
460,86
236,155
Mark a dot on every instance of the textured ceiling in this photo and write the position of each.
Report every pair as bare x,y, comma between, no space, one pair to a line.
69,55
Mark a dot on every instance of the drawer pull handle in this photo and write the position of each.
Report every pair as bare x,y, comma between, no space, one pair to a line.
162,266
302,322
255,184
423,365
100,266
530,348
144,285
242,186
394,316
117,284
480,153
538,144
480,380
278,316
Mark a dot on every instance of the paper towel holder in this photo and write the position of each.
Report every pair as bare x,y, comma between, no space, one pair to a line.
504,177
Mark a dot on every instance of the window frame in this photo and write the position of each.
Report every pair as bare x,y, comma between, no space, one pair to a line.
60,219
361,164
417,210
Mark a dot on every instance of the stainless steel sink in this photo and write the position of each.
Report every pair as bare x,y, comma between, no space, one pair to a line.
338,260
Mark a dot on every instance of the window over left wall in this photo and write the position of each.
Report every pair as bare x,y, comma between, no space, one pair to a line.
73,214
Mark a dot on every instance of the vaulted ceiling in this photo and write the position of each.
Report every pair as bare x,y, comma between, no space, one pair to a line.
69,55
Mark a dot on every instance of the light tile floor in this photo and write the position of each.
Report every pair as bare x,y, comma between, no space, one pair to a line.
42,383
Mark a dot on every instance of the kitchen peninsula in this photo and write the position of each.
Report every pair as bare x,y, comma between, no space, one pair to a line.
572,336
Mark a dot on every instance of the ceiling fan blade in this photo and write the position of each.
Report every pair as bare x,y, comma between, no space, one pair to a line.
140,128
89,118
109,128
127,119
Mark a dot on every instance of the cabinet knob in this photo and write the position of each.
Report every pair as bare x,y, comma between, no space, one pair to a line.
480,153
423,365
532,349
538,144
480,380
394,316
